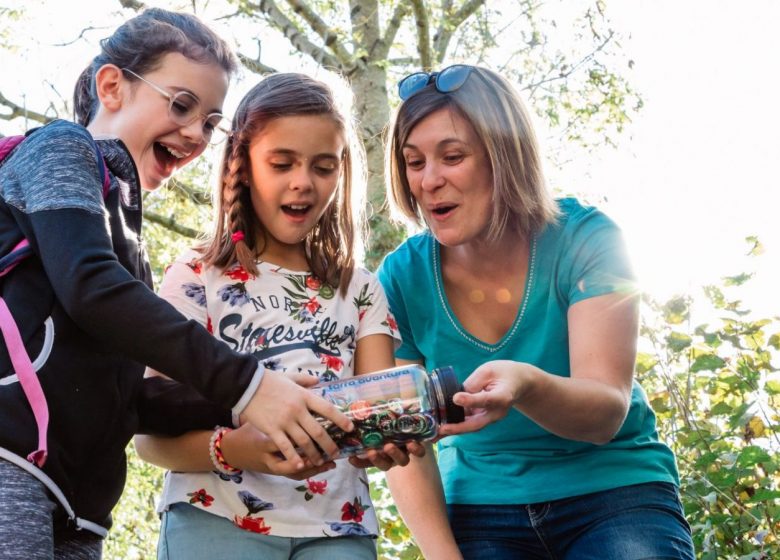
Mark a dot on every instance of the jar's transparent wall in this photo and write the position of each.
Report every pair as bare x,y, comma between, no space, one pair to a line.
396,406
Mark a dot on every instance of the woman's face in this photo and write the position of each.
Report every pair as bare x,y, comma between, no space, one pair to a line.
449,173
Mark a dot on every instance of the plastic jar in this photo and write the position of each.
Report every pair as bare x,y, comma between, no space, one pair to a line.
396,405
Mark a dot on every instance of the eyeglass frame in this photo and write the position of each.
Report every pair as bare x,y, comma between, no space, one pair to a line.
171,97
434,77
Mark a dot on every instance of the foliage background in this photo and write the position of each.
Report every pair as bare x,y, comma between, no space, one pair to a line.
707,363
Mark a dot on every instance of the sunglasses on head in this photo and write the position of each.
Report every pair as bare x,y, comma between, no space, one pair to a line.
446,81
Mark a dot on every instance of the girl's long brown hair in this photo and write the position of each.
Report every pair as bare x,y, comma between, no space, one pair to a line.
335,244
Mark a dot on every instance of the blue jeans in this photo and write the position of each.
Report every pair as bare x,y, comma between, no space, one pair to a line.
643,521
189,533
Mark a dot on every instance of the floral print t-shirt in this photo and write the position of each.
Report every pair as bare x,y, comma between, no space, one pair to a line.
291,322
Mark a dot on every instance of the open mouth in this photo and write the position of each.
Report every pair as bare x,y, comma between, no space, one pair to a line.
167,157
442,210
296,210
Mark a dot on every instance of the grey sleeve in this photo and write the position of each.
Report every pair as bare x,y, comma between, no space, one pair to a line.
55,168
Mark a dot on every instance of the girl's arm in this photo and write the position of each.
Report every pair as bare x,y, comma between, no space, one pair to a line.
245,448
418,494
592,404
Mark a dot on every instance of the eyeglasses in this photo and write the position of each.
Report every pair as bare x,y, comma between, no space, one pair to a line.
184,109
448,80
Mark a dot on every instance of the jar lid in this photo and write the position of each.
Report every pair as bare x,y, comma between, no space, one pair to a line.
450,385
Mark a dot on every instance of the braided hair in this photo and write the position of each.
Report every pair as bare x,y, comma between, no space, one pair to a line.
335,244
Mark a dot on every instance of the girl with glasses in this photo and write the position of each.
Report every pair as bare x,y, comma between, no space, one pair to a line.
279,280
87,313
534,300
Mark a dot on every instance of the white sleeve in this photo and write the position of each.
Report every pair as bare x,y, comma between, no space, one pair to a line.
373,310
183,287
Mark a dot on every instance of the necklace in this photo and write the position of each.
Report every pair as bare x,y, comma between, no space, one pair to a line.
454,322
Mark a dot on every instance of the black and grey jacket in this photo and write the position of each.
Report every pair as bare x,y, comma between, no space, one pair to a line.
91,322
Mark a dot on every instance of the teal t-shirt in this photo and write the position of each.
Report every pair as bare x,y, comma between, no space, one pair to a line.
515,461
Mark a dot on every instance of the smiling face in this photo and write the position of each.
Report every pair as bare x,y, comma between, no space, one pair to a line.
295,164
157,144
449,175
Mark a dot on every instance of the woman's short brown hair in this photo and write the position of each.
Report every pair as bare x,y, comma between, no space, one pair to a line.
522,202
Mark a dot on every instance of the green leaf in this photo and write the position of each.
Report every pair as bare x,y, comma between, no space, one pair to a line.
709,362
721,408
772,387
736,280
645,362
751,456
765,495
678,341
756,248
676,310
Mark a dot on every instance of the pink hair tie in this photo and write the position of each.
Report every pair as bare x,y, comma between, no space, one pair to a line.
237,236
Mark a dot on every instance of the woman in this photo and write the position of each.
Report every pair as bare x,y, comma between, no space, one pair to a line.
533,301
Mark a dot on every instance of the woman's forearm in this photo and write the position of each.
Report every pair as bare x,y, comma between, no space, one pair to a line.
417,492
580,409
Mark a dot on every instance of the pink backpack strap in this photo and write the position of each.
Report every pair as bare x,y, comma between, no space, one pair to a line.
8,143
20,360
27,379
21,363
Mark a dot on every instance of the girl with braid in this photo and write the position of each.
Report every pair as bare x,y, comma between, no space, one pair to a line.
278,281
72,389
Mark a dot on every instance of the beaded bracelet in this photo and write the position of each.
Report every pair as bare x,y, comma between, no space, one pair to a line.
215,452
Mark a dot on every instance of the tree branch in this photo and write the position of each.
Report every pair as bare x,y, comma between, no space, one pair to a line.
329,36
133,5
185,190
297,38
170,224
564,75
255,65
450,23
19,111
81,36
423,36
393,25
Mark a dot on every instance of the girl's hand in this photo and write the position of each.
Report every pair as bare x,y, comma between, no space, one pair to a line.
248,448
388,457
282,409
490,391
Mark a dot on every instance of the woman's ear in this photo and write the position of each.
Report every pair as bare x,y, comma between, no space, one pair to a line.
111,86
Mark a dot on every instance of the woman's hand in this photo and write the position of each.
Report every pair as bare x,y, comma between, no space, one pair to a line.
388,457
490,391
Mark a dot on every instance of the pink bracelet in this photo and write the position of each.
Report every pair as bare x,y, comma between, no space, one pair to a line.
215,452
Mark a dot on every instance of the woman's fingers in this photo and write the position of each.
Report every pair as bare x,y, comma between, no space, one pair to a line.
472,423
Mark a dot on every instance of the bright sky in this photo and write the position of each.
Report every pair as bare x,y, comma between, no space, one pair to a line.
694,174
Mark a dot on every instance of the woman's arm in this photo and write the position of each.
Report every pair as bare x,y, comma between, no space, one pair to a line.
418,494
592,404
